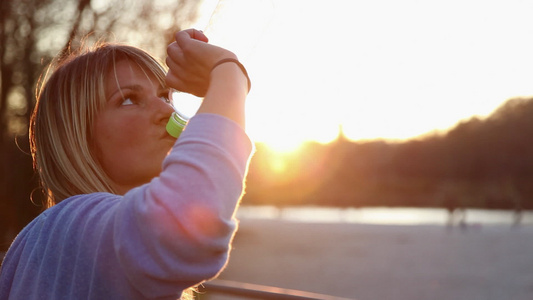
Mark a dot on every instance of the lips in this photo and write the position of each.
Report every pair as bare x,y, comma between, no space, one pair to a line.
167,136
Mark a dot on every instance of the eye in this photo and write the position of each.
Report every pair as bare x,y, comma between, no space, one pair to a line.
165,99
127,101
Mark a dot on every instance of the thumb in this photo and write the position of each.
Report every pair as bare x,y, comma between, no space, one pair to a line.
191,34
199,35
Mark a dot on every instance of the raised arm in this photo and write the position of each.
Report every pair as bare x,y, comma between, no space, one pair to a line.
176,231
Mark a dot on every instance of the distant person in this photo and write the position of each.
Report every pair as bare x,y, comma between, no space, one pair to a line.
456,213
133,213
513,193
449,203
517,219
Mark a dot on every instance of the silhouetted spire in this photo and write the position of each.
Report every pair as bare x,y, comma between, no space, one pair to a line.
341,137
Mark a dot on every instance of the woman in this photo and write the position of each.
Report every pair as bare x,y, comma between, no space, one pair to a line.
134,213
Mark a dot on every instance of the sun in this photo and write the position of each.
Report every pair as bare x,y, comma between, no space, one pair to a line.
285,133
284,145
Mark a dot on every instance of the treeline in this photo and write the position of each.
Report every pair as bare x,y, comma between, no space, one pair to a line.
485,163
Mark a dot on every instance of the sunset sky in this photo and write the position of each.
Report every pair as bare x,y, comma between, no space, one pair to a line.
380,69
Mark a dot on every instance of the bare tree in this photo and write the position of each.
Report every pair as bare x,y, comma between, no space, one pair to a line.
34,31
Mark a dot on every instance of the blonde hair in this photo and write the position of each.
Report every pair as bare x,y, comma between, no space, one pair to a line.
61,122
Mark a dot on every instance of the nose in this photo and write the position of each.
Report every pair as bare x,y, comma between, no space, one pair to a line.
162,110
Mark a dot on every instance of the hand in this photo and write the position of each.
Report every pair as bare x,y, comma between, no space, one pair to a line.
190,60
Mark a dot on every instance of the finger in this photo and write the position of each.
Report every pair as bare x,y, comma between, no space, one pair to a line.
177,60
187,84
174,52
200,36
173,81
177,82
180,78
193,34
185,73
172,64
192,49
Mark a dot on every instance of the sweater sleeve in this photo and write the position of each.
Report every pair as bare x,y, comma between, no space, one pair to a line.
177,230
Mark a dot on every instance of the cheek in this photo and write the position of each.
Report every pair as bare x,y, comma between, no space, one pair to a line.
122,142
128,133
118,150
113,137
117,129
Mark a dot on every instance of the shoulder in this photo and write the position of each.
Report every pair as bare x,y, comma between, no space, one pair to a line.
70,217
81,203
72,210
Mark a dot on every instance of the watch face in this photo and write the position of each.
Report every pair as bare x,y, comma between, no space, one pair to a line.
186,105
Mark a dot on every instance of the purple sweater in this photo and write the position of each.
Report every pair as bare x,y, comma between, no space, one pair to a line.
152,243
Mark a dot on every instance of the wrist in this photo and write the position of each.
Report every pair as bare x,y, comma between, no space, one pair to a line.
227,91
236,63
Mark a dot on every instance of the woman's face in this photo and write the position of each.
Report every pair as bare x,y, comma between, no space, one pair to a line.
130,138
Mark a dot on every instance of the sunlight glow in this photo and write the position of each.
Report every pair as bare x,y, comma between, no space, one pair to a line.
235,24
381,69
278,165
283,146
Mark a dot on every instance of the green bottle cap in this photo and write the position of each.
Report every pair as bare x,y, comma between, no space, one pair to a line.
175,124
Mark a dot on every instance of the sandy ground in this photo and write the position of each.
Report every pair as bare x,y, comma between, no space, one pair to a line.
380,262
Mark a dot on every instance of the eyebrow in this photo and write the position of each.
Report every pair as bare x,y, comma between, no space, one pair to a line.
134,87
